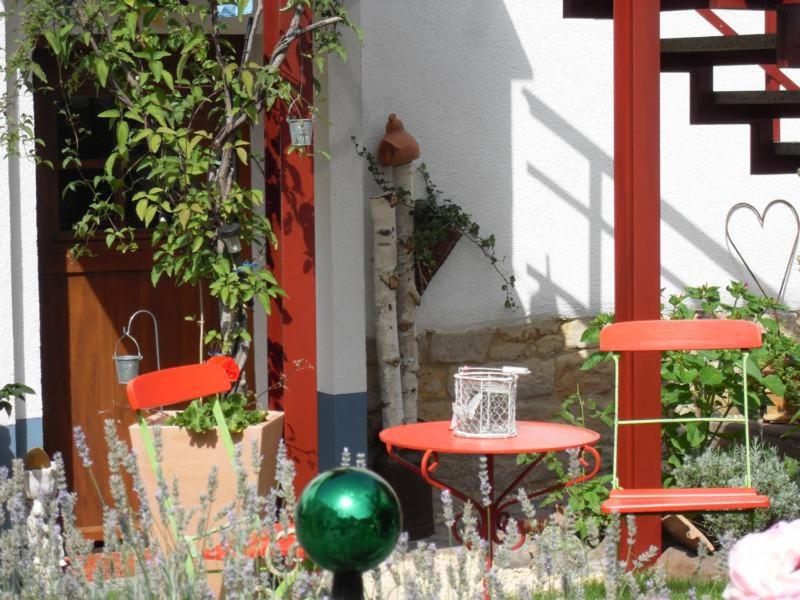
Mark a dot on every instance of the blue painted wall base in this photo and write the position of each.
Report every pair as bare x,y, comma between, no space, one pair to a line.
342,424
19,437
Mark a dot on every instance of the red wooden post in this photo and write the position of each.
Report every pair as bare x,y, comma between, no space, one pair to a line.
771,26
291,327
637,227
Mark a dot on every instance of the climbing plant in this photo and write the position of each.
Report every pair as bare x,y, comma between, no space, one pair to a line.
182,94
436,220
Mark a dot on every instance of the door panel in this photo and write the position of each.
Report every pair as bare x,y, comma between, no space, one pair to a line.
84,305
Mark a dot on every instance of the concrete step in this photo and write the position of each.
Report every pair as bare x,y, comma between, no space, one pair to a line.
686,54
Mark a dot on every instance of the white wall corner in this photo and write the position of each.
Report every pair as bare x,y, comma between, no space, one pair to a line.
340,247
19,278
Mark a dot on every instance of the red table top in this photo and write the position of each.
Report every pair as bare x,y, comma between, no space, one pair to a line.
532,437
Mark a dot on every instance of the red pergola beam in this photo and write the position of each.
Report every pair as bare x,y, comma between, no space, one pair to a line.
292,328
637,225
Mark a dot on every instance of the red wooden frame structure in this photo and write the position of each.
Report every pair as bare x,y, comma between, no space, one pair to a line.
637,225
291,328
637,228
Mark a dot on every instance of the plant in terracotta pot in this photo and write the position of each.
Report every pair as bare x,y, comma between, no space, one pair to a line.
201,435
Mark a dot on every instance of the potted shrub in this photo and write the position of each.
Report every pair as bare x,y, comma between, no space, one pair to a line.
191,443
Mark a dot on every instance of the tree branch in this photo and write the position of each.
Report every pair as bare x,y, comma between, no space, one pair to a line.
253,22
276,59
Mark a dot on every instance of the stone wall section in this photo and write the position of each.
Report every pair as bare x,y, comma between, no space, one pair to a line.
550,348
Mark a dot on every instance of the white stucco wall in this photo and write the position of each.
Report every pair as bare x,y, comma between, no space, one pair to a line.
19,281
513,108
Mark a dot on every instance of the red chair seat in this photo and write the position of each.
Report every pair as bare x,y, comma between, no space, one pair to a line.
658,500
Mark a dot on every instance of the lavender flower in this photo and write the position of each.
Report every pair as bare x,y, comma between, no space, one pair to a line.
82,446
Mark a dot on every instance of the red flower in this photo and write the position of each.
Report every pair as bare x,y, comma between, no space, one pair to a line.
227,363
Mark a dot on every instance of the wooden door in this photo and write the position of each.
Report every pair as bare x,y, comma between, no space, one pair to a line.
84,305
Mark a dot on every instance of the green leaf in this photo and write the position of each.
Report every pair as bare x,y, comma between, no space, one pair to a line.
37,70
197,244
181,66
111,113
122,133
774,384
694,435
109,167
156,68
101,67
141,208
197,39
154,142
247,80
54,42
149,214
710,375
594,360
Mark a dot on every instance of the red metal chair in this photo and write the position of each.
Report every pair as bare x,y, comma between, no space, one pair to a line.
180,384
703,334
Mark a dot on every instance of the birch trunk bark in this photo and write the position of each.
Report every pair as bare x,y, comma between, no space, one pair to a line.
385,283
408,297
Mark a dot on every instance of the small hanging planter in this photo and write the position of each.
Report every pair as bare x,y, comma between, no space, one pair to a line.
301,124
425,272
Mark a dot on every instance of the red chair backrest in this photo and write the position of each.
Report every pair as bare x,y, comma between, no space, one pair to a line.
178,384
698,334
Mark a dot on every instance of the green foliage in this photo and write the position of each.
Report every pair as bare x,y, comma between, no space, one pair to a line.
436,218
583,500
772,475
710,382
198,417
183,94
10,391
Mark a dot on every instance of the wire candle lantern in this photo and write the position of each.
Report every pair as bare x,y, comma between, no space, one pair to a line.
486,402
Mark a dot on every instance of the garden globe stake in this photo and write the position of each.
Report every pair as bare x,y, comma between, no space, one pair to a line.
348,521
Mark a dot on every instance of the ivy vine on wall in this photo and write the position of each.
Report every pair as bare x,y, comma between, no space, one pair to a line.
438,224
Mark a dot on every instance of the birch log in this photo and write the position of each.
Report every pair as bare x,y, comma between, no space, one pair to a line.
408,297
385,283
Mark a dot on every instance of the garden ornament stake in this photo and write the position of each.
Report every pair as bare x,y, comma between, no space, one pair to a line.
128,364
761,217
348,521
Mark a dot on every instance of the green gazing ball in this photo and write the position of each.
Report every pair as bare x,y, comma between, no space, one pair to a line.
348,519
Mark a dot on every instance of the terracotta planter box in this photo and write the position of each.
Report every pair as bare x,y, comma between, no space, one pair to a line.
189,457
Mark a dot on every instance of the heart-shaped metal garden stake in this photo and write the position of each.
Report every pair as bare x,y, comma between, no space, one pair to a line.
761,217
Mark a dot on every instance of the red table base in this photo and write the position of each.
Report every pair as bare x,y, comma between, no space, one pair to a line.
494,515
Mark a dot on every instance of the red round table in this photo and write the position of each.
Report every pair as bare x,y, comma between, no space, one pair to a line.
533,437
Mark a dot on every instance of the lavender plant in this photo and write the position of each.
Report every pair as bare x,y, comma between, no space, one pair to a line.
149,552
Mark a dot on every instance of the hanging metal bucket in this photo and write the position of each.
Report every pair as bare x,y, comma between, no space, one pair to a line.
301,125
301,131
127,365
